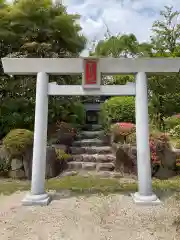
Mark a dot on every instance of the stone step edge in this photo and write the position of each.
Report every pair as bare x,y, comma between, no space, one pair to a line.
92,132
93,154
100,150
92,146
90,166
94,158
89,140
86,173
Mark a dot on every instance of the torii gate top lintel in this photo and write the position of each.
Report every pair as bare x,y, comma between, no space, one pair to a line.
107,66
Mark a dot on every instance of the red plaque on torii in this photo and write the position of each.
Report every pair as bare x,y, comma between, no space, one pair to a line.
91,76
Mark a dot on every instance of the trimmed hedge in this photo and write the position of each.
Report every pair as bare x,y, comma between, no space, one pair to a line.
117,109
17,141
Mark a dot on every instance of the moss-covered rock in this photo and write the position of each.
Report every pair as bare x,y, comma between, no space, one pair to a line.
17,141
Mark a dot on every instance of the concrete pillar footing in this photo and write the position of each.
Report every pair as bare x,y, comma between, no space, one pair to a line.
36,200
145,200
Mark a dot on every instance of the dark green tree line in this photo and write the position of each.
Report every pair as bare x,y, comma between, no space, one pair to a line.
30,28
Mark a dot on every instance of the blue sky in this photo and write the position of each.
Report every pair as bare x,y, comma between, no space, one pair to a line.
121,16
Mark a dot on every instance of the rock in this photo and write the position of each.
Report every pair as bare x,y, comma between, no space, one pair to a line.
17,174
27,163
101,158
89,166
51,163
89,142
91,150
16,164
167,157
125,158
91,134
53,166
75,165
105,167
164,173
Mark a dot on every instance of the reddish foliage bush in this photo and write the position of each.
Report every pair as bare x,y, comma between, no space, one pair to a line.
177,115
154,157
157,143
123,128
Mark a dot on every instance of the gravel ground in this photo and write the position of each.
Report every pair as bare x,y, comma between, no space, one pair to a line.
97,217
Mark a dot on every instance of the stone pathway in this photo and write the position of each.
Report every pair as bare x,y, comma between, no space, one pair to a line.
90,153
97,217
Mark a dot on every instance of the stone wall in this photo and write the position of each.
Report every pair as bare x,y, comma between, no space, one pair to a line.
126,160
20,167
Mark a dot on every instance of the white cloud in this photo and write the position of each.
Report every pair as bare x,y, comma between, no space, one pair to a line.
121,16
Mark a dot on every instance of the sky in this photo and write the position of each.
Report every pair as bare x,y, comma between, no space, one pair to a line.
121,16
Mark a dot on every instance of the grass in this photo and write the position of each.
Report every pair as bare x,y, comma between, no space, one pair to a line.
79,184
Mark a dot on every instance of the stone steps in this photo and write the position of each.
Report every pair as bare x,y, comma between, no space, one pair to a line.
90,166
91,134
91,150
92,127
88,142
90,153
96,158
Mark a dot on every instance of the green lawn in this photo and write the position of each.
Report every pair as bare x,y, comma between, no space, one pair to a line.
80,184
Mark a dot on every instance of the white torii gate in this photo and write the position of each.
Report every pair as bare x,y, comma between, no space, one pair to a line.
92,70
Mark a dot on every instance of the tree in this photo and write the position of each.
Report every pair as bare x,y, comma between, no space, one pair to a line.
30,28
117,46
165,90
166,33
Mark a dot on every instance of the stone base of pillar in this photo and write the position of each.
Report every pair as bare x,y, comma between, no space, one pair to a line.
36,200
145,200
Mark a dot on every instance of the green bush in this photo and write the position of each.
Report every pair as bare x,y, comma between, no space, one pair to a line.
175,132
176,143
117,109
73,112
62,155
17,141
172,122
78,116
131,139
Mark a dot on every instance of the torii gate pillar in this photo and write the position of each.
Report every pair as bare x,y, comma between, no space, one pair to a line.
145,194
38,196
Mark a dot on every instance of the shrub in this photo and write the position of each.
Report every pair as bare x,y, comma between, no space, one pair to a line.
117,109
73,112
17,141
131,138
62,155
172,122
78,116
66,128
175,132
65,133
120,131
176,143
